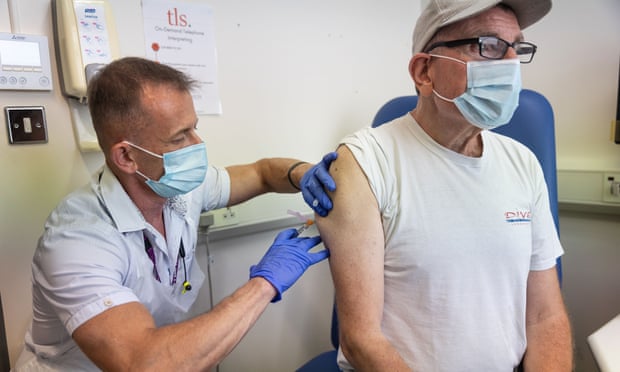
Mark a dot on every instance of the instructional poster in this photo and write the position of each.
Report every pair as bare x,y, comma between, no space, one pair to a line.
93,32
181,34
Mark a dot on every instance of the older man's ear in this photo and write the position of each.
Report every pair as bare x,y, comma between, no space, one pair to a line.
418,70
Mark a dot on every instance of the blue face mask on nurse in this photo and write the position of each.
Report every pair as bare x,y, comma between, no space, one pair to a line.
184,170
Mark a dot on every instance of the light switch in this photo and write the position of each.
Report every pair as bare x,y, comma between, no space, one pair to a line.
26,124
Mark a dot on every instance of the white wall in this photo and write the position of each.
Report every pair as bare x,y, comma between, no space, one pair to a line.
294,78
576,67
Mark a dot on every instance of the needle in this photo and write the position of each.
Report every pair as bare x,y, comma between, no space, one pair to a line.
307,221
303,227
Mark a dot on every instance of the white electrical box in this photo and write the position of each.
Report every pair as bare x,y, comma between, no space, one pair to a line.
589,190
611,187
24,62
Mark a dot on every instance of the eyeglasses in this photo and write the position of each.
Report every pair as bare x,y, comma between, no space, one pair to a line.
492,47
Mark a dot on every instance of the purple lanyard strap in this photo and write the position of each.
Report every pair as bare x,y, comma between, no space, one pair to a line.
148,247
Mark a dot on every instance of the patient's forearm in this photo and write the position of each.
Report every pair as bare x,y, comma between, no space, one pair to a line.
372,353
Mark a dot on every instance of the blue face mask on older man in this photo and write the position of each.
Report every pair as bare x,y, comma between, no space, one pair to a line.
184,170
492,93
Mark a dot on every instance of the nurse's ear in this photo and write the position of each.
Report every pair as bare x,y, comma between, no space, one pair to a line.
122,157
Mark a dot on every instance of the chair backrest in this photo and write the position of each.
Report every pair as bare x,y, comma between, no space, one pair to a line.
532,124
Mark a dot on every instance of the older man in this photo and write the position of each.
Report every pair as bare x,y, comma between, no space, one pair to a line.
429,274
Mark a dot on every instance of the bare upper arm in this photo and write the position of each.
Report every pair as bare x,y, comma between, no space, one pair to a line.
245,182
112,339
353,233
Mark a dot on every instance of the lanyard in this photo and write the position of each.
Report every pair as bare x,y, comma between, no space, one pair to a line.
148,247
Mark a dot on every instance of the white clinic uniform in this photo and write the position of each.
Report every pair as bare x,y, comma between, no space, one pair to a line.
461,235
92,257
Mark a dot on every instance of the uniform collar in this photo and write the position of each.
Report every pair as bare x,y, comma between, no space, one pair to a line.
122,209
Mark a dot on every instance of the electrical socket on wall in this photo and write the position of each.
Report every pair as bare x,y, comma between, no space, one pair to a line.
225,217
611,187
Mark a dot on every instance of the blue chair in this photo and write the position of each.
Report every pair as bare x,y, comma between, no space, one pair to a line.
532,124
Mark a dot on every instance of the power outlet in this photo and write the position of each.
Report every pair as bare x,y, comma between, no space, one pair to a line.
225,217
611,187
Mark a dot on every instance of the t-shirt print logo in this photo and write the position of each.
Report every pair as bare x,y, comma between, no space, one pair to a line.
518,216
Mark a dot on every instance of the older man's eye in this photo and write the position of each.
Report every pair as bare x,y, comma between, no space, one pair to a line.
492,47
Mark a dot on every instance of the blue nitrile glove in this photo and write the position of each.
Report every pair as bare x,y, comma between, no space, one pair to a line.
286,260
314,183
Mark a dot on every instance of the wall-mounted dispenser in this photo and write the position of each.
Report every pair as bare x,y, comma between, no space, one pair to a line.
86,40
